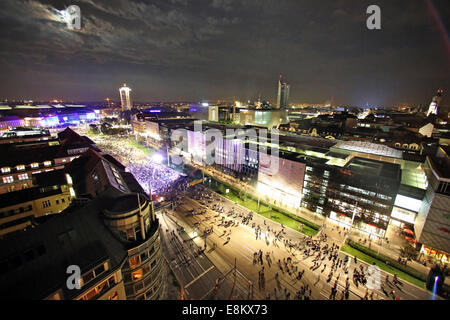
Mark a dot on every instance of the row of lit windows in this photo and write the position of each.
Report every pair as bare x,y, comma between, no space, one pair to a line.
22,167
137,260
131,290
90,275
10,179
99,289
149,293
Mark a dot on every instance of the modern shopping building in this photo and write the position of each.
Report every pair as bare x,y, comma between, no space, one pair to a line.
363,190
432,225
280,177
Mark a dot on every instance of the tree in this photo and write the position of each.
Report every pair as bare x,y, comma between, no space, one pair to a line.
408,251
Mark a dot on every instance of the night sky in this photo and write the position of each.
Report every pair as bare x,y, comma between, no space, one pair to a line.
168,50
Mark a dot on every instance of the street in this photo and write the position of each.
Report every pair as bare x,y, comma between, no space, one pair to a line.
243,245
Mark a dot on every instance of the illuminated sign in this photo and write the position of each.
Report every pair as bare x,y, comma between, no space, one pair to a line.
408,203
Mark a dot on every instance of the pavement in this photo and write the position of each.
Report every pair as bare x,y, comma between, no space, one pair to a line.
243,244
193,270
390,248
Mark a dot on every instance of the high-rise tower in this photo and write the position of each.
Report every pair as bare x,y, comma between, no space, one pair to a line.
283,94
433,109
125,99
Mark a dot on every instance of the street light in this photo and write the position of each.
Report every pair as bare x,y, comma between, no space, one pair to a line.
351,224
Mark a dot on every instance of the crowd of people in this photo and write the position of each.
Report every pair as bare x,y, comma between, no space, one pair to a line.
162,180
159,178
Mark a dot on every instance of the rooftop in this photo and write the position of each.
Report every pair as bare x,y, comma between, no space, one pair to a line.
368,147
375,168
29,152
33,263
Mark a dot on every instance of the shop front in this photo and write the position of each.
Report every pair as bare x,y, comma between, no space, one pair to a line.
434,254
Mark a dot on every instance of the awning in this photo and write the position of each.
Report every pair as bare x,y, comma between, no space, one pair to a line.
405,230
410,239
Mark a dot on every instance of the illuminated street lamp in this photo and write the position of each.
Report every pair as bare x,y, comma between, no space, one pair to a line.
351,224
157,158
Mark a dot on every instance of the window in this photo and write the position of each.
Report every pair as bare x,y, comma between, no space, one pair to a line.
57,201
91,294
63,200
8,179
99,270
148,281
6,170
20,167
35,165
23,176
134,262
88,277
114,296
138,287
145,269
137,275
130,234
144,256
46,204
47,163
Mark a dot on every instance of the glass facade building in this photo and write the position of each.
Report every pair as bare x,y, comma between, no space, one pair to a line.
365,189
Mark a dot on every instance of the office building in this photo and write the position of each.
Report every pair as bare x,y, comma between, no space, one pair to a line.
125,98
283,95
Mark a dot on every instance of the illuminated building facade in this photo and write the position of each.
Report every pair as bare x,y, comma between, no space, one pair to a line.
432,225
52,193
283,95
7,123
262,118
280,178
364,188
125,98
434,105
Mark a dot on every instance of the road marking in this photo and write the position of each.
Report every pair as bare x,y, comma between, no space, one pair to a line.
199,276
245,256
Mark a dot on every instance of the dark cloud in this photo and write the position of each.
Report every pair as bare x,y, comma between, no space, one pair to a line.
193,49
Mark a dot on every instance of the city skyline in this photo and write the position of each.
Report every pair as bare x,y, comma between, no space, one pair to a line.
220,49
